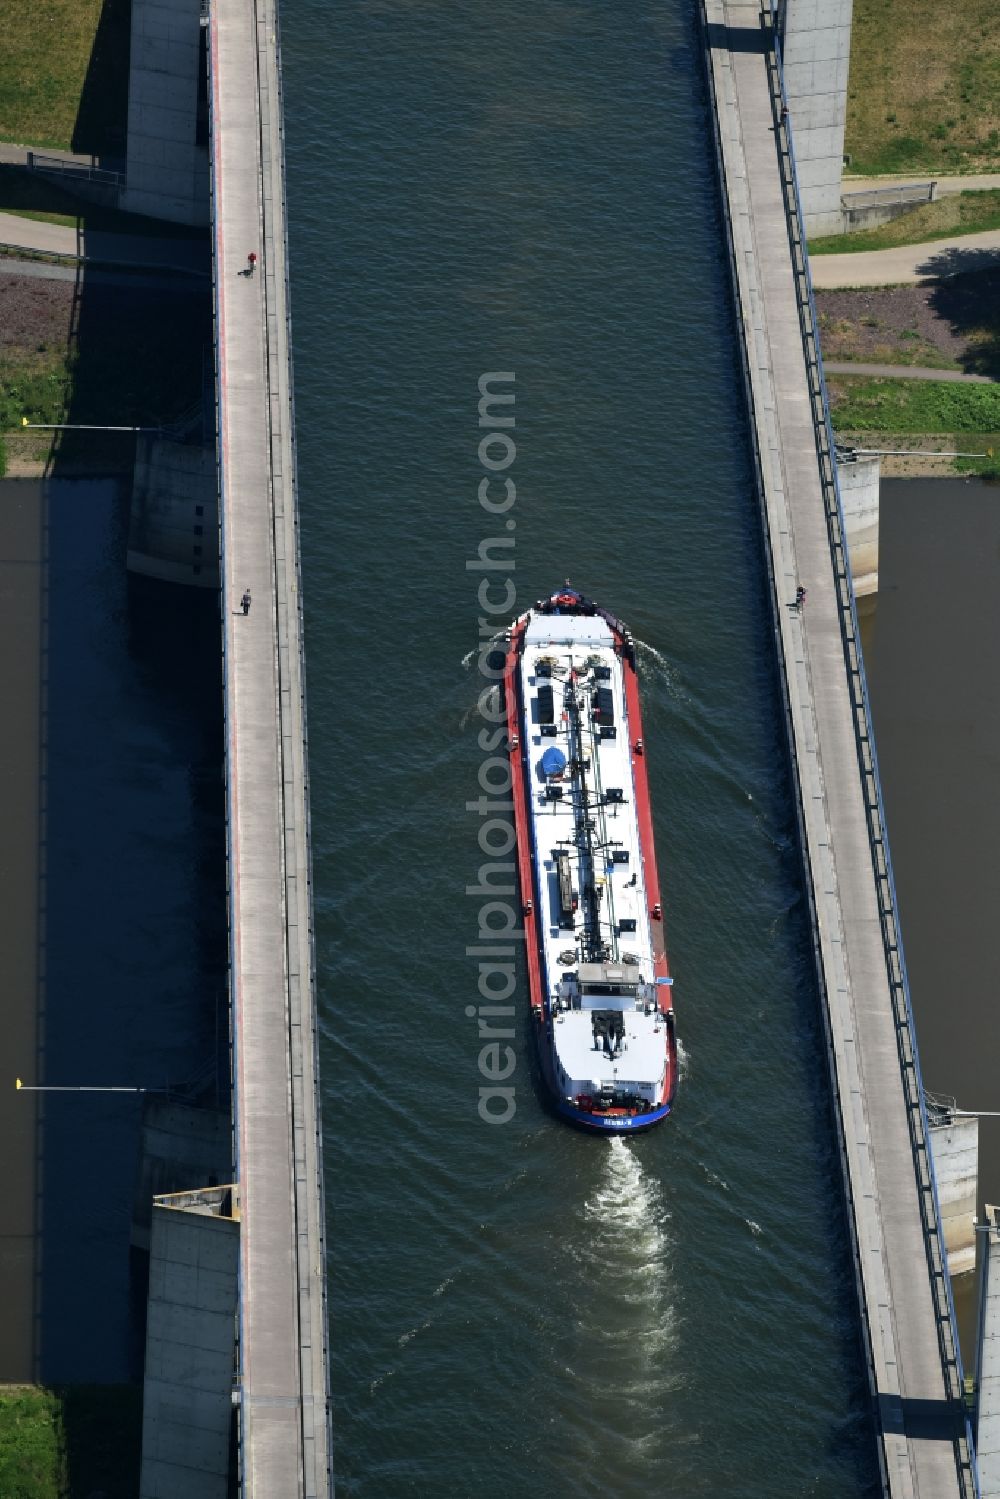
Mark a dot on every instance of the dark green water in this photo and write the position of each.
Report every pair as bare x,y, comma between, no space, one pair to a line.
519,1310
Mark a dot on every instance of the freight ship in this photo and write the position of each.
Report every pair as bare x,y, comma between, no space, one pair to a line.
593,914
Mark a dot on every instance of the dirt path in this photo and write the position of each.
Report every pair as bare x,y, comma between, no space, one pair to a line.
103,246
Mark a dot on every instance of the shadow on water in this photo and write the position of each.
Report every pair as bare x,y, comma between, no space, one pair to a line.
112,872
101,1437
102,118
131,890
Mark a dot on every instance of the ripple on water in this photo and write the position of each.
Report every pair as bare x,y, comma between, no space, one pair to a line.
521,1309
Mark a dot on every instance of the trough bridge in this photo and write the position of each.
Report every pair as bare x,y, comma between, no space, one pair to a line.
904,1296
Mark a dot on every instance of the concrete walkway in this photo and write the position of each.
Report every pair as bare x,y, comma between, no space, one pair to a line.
283,1370
102,247
915,1392
905,264
979,182
902,372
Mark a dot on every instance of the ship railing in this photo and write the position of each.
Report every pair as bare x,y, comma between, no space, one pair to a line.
917,1121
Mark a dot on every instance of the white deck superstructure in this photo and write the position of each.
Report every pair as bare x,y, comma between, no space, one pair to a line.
609,1034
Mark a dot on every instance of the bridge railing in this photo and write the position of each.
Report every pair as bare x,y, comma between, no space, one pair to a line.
98,182
899,988
783,674
910,194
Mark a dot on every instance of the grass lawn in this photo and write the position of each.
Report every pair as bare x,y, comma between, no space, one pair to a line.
837,348
64,74
863,403
953,215
75,1441
921,414
924,87
32,1447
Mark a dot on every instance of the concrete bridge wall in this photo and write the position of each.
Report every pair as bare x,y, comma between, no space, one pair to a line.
858,479
816,53
167,166
955,1143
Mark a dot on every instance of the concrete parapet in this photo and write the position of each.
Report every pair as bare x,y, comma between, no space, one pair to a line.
167,169
190,1345
906,1319
858,479
179,1144
174,523
955,1146
879,205
816,50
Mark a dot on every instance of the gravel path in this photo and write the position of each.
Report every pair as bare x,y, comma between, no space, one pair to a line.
906,264
902,372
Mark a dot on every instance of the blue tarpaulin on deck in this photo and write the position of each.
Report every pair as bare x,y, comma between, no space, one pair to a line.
553,761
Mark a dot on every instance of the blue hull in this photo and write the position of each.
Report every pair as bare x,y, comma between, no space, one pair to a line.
599,1124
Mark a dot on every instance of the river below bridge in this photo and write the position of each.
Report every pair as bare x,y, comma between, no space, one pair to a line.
517,1309
935,697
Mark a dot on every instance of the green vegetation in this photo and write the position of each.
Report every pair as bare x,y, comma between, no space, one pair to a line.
860,402
3,457
64,74
32,1446
37,387
924,88
984,468
64,1443
950,216
930,415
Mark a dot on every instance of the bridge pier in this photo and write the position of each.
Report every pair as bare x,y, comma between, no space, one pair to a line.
816,52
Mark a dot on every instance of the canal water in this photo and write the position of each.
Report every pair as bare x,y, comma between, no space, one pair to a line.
517,1309
112,916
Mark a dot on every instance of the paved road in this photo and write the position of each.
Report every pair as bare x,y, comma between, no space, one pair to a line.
13,155
905,264
902,372
916,1418
979,182
99,246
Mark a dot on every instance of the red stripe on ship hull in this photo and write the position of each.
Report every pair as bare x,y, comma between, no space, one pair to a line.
644,816
522,816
